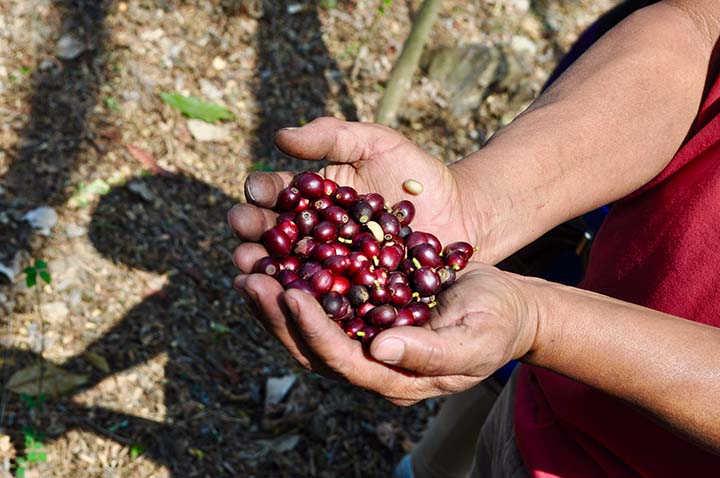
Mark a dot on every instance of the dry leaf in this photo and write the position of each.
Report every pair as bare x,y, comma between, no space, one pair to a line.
55,381
97,361
147,160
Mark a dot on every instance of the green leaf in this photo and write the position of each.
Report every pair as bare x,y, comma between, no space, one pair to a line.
20,471
328,4
40,264
198,108
111,103
45,275
136,450
219,328
31,278
37,457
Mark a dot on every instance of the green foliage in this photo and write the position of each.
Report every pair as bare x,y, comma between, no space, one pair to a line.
34,402
86,193
32,272
197,108
111,103
34,453
328,4
136,450
381,8
220,329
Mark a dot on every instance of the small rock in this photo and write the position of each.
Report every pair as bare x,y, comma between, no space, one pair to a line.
152,35
523,45
285,443
73,230
294,8
277,388
219,64
42,218
209,90
141,190
69,47
203,131
520,5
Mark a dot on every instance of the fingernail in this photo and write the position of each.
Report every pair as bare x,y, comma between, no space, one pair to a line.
249,189
390,351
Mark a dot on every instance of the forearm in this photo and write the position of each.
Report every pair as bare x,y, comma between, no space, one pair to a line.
609,125
666,365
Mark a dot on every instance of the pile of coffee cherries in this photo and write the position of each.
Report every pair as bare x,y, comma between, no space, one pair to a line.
357,256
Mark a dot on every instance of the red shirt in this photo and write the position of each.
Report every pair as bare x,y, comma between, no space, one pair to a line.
658,248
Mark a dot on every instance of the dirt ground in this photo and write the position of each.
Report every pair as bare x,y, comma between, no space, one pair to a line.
168,371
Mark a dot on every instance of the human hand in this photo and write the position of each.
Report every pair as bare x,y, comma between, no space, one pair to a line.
484,320
369,158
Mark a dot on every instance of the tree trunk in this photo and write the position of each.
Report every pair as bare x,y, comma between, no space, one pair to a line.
402,73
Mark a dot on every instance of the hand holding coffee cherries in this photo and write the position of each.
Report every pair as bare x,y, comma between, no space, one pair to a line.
479,323
357,256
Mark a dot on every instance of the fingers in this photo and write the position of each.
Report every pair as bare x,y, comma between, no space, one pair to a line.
249,222
246,255
330,138
265,293
426,352
262,189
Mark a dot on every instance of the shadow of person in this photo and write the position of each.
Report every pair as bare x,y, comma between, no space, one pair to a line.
175,226
297,78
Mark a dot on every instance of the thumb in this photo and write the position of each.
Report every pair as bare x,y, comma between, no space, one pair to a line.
445,351
331,139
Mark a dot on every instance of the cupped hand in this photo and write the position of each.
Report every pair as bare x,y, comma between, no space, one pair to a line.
369,158
484,320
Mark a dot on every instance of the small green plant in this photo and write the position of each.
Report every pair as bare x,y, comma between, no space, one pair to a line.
34,453
38,269
34,402
136,450
381,8
328,4
111,103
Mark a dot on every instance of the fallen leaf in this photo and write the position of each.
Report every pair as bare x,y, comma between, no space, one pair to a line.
277,388
97,361
147,160
55,381
197,108
42,218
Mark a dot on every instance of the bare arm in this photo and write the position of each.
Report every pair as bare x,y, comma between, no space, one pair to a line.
608,125
667,365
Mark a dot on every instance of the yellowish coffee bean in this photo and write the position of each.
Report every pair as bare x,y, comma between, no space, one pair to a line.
413,187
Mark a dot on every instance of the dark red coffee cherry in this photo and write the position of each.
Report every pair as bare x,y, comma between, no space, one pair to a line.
462,247
302,205
320,204
337,264
341,284
304,286
325,232
363,310
457,260
329,187
382,315
419,311
447,276
345,196
405,231
426,281
349,230
322,281
407,267
376,202
391,256
334,305
404,211
389,224
288,199
290,229
368,246
335,214
362,212
397,277
368,333
311,185
286,276
322,252
267,265
426,255
379,295
404,318
400,295
276,242
364,277
305,246
434,241
340,249
381,276
290,262
285,216
306,221
358,295
415,238
309,269
358,261
353,326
